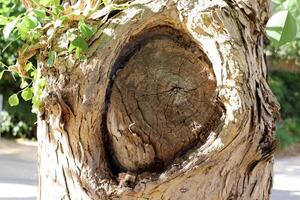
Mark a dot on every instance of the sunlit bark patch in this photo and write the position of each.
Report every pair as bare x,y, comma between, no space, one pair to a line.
163,101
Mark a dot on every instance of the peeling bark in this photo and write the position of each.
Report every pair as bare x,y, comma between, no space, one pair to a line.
172,103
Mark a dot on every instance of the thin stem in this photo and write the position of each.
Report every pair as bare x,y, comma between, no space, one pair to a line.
44,7
2,63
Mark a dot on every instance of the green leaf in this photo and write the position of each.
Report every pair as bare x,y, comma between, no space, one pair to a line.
36,103
71,48
30,22
41,83
35,35
23,31
86,30
281,28
78,53
3,20
9,28
80,43
34,74
13,100
57,10
1,74
27,94
69,33
26,28
29,66
51,58
298,27
293,7
41,14
63,18
106,2
49,2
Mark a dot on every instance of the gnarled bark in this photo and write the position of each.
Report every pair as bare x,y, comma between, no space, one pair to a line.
172,103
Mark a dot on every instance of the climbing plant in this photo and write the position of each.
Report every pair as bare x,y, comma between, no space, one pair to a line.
36,28
46,19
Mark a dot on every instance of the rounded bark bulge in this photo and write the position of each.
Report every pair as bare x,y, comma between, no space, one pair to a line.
163,100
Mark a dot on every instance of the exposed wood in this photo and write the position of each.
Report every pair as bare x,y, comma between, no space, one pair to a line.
162,101
121,124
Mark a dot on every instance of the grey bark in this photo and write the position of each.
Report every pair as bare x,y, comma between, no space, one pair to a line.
172,103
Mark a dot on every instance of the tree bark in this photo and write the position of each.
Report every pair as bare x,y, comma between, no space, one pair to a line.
171,103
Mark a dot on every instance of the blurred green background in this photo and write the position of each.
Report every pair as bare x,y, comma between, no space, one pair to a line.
14,121
284,79
286,86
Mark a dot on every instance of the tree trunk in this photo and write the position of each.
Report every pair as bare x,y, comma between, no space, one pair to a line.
171,103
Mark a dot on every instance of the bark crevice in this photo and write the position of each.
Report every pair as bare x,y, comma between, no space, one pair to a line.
141,142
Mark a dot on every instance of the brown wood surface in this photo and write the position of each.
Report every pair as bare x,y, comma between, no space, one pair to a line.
171,103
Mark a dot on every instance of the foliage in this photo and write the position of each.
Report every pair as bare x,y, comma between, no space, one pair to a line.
9,10
285,86
5,122
283,30
290,51
36,29
9,126
288,132
282,27
9,86
21,114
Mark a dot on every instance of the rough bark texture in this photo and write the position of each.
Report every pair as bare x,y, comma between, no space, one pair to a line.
172,103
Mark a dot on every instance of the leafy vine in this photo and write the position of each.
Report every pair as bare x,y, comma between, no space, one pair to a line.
38,26
46,19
